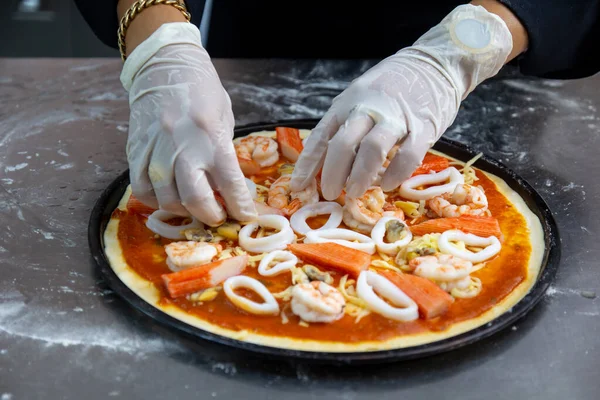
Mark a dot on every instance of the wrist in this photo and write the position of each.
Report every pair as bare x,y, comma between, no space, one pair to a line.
146,22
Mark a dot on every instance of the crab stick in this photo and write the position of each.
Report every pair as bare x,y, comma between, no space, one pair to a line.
333,256
202,277
430,298
290,142
432,162
480,226
137,207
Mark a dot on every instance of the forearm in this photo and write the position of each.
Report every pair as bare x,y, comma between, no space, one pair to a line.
148,21
517,30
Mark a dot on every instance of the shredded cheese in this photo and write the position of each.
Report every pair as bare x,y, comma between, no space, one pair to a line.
227,253
299,276
421,207
285,295
384,264
238,251
355,311
477,267
409,208
303,324
349,294
468,171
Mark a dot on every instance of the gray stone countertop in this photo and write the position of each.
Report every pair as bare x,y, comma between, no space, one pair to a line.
65,335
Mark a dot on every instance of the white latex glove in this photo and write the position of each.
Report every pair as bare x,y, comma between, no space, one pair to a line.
409,98
181,124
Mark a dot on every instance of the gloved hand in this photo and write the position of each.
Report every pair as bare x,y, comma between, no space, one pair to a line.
409,98
181,124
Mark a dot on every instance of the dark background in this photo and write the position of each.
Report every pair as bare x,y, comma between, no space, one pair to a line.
47,28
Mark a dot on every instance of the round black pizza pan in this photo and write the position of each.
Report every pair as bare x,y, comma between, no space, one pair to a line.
110,198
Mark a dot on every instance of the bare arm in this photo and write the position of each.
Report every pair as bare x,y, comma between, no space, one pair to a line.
146,22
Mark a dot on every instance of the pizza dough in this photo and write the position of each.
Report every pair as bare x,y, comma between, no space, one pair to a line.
150,293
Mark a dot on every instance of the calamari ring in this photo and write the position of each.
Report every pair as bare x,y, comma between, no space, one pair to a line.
491,243
298,219
156,223
277,241
344,237
286,261
406,309
379,231
408,188
270,305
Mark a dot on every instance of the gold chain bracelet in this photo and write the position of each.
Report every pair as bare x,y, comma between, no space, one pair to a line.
137,8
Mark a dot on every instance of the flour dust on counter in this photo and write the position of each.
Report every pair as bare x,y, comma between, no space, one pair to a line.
22,319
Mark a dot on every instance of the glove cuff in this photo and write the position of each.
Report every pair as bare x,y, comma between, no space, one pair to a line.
167,34
469,46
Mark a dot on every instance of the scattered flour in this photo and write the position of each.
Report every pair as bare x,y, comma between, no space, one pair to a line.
65,166
227,368
554,291
588,313
15,167
6,396
30,321
105,96
47,235
63,153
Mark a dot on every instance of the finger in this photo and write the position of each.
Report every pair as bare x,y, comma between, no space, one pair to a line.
231,182
341,152
372,153
409,156
162,176
138,158
312,156
196,193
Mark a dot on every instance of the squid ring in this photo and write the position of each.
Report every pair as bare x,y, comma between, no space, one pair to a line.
285,261
344,237
405,310
379,231
298,219
409,190
156,223
277,241
491,243
270,305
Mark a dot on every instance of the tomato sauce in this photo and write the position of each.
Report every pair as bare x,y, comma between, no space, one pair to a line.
144,252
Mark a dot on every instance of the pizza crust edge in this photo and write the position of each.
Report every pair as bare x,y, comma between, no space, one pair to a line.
148,292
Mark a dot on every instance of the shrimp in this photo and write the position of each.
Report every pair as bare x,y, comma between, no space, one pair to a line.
464,200
256,152
187,254
317,302
441,267
280,195
362,213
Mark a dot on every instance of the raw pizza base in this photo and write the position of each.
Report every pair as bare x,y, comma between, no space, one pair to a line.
148,292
